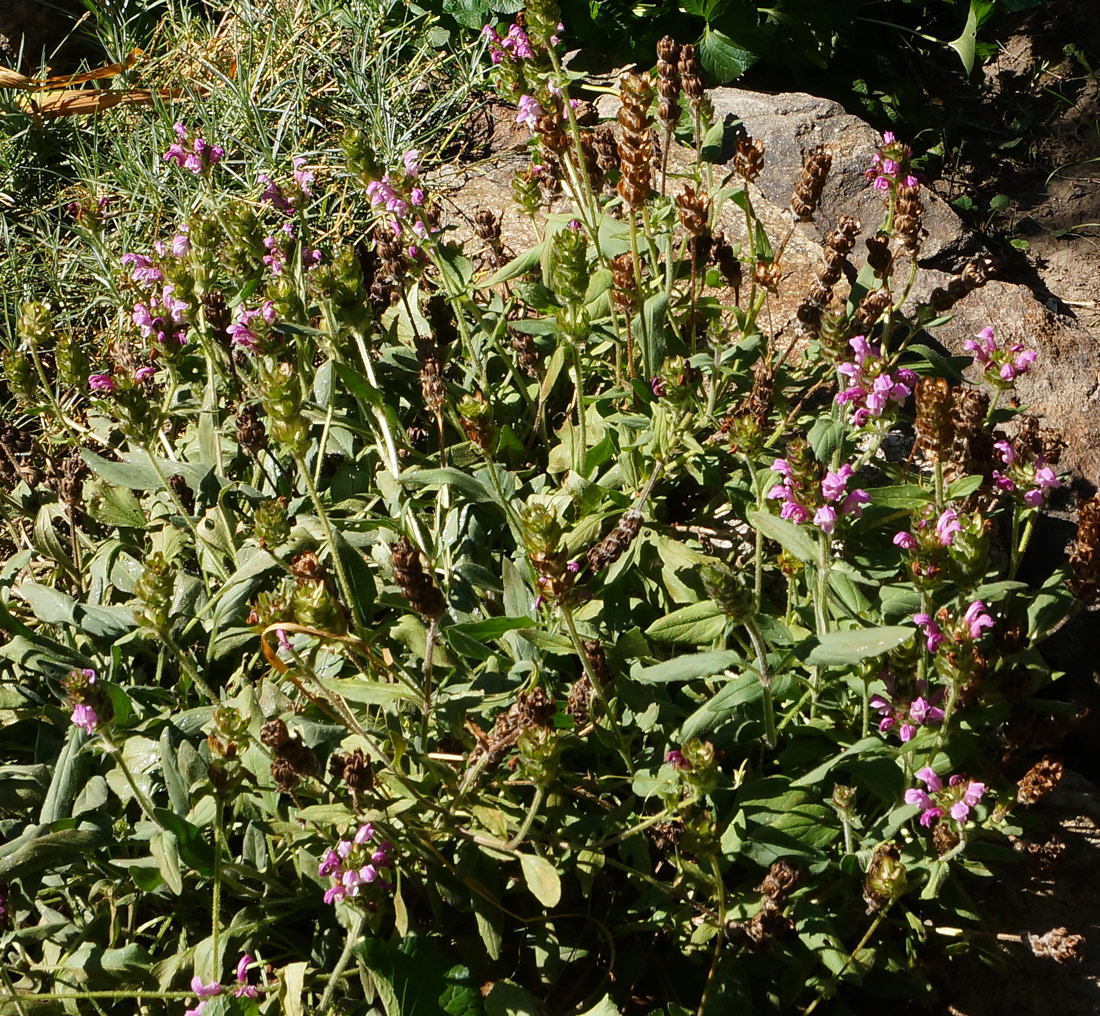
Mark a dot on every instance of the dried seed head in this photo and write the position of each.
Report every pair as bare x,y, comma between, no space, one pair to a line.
636,143
1040,781
218,318
607,150
614,545
878,255
416,586
934,423
843,238
781,880
527,352
873,306
579,705
1059,945
183,492
945,837
694,210
691,74
251,435
748,160
728,264
274,733
768,275
807,192
668,82
908,212
623,283
1084,562
973,276
597,661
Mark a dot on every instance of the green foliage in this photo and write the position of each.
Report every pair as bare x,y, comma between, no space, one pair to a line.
410,615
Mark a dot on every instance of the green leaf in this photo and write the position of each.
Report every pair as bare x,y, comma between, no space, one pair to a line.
688,667
740,692
292,980
542,879
117,506
194,851
365,692
826,437
814,776
519,265
964,486
48,604
903,495
790,537
164,846
839,648
473,489
508,999
604,1007
360,577
697,624
722,57
964,44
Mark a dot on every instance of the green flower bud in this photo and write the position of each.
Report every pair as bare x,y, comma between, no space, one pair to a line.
272,523
526,192
153,590
314,605
72,361
20,374
569,264
729,591
886,878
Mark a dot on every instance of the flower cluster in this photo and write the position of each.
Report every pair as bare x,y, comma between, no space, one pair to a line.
838,500
278,198
871,388
970,627
206,991
943,533
529,111
1030,480
162,315
905,715
1002,364
198,157
890,165
956,799
243,333
354,863
515,45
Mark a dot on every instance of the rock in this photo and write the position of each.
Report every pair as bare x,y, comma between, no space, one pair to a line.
1063,386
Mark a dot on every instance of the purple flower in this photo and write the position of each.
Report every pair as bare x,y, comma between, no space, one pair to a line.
928,777
205,990
783,467
934,637
906,541
102,383
274,196
143,374
976,619
303,177
658,387
518,43
411,159
244,989
834,485
792,511
529,111
947,526
84,717
330,864
144,269
364,834
854,502
825,518
676,759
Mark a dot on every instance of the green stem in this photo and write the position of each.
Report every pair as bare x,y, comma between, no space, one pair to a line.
579,454
521,834
831,983
341,964
330,536
720,936
215,917
1019,543
647,350
139,795
765,680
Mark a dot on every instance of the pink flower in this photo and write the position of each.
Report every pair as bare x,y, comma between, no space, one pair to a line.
244,989
792,511
1008,453
84,717
330,864
144,269
529,111
364,834
854,502
825,518
303,177
976,619
143,374
906,541
205,990
928,777
411,159
102,383
947,526
783,467
834,485
934,637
